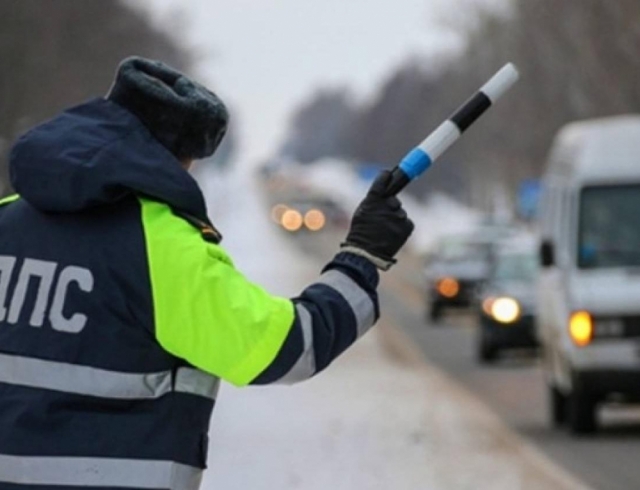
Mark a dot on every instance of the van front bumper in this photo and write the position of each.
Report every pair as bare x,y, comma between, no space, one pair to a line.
603,382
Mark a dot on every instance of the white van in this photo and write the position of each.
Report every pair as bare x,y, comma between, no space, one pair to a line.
589,288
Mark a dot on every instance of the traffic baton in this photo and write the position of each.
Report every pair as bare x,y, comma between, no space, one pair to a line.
422,156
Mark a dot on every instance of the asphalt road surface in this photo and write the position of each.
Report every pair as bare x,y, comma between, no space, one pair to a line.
513,388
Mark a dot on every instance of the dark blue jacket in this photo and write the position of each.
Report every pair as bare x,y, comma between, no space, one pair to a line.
108,362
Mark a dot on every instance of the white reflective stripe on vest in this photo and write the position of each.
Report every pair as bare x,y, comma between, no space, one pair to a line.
358,299
90,381
305,366
196,382
98,472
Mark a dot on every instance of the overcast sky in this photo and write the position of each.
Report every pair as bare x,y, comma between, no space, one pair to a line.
265,57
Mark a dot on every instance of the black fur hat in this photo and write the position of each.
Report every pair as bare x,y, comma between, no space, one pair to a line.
184,116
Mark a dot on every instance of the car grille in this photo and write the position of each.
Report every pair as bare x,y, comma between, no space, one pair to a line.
468,287
466,283
631,326
617,327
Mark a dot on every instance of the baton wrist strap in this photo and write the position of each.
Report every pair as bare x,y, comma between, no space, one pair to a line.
381,264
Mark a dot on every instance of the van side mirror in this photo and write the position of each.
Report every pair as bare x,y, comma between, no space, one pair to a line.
547,258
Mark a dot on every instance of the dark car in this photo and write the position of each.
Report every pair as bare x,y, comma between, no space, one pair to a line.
455,272
309,214
506,303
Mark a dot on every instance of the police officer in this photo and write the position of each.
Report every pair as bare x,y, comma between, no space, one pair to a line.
120,311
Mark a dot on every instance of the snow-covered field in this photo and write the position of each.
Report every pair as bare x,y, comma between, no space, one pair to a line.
368,422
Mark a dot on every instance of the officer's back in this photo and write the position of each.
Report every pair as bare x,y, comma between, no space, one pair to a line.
119,309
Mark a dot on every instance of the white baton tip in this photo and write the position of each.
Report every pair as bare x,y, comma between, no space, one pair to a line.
501,82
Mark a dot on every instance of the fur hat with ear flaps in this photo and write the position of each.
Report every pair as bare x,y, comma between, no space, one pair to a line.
184,116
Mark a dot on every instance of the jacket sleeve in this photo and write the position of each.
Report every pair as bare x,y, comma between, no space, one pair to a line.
330,315
207,313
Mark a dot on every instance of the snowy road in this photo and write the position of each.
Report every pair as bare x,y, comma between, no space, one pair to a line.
379,418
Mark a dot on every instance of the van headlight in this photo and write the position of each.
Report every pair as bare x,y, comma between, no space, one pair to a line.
503,309
581,328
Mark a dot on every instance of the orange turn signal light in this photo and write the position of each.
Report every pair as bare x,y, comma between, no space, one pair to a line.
581,328
448,287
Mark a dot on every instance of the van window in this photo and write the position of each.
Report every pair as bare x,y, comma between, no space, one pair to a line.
520,267
609,230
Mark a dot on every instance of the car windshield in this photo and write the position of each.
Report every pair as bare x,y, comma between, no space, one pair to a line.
609,227
516,268
457,251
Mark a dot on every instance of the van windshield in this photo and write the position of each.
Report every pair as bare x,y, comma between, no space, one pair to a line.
609,233
516,268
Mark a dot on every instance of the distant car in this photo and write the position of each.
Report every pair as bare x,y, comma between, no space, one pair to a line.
455,272
309,214
506,303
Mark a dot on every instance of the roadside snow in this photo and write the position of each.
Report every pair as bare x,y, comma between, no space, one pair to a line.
358,426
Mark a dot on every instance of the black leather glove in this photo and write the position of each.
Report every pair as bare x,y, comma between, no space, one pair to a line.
379,227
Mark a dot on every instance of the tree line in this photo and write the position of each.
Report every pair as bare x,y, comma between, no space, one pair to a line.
59,53
578,59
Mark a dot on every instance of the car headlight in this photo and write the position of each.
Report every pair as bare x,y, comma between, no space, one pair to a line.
448,287
277,211
487,303
504,309
291,220
314,219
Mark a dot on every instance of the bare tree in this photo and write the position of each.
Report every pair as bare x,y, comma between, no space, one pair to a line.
320,127
57,53
578,59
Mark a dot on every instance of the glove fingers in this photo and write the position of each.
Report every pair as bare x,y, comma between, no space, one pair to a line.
401,214
380,225
410,227
393,203
390,208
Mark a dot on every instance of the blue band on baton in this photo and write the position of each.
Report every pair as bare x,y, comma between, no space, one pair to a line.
416,162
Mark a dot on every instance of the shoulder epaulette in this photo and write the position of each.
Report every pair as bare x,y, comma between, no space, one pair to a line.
208,231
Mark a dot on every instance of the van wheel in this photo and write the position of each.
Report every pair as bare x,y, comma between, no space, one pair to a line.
581,412
557,406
